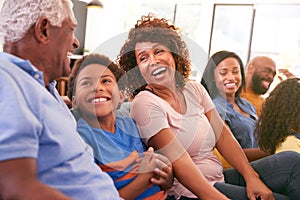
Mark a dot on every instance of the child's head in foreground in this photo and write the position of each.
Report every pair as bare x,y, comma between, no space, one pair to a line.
94,86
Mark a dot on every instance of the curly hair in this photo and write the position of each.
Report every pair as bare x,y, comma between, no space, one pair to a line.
18,16
81,63
280,115
209,77
152,29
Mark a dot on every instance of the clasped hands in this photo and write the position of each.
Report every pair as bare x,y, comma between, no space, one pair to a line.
159,166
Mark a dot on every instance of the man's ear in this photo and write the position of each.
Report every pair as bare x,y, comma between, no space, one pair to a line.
42,30
250,68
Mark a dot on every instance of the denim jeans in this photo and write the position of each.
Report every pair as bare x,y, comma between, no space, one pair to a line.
280,172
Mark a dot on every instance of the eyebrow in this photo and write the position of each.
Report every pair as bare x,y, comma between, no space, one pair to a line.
226,68
155,45
84,78
107,75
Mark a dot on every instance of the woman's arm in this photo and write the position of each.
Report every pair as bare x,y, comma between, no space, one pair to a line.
252,154
237,158
255,154
184,168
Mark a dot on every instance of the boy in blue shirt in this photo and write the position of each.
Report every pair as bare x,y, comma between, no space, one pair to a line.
94,89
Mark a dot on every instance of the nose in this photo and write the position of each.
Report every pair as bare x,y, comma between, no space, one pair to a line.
98,87
76,43
270,77
230,76
272,74
153,60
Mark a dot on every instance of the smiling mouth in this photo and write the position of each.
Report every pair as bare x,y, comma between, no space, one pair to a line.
98,100
159,71
69,54
266,83
230,85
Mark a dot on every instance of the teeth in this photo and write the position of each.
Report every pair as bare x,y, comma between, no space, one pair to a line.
69,54
230,84
100,100
158,71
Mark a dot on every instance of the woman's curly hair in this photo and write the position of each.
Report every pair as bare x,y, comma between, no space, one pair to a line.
280,115
152,29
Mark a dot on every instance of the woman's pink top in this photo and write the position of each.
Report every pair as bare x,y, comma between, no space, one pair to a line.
192,129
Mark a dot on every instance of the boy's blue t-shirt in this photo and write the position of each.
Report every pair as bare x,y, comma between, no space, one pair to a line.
122,144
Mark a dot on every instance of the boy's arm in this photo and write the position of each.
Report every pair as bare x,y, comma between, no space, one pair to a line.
146,166
137,186
121,165
152,169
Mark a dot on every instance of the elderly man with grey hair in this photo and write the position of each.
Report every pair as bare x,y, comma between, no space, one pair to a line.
42,156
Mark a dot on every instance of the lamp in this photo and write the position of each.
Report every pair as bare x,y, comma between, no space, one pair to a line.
95,4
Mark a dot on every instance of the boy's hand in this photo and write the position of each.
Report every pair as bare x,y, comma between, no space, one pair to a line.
160,165
147,163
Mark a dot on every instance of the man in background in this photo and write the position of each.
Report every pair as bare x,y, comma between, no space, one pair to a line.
42,155
260,73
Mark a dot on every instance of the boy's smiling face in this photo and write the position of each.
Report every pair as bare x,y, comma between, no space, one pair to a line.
97,93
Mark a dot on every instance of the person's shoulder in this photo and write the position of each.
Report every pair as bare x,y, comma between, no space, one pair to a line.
16,67
127,125
246,102
145,93
250,95
5,60
195,86
146,98
124,119
220,100
83,127
221,104
124,109
125,122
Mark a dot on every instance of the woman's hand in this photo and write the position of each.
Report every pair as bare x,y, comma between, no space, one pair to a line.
256,189
164,173
159,165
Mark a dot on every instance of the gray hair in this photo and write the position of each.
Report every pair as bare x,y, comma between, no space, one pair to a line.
18,16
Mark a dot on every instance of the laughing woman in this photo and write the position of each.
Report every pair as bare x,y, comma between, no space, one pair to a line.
178,118
224,79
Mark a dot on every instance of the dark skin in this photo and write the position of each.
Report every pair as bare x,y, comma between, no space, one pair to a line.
21,182
40,45
18,179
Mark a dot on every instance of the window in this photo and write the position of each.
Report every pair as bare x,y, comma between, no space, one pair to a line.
231,30
276,34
